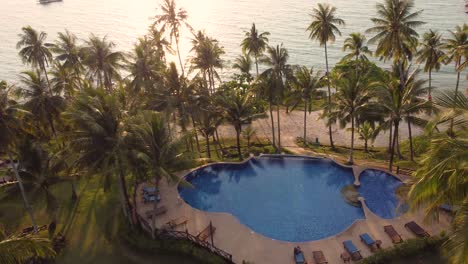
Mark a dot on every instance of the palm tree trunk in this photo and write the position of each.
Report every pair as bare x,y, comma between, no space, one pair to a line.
256,63
410,139
74,195
394,142
365,145
430,85
272,125
52,127
456,93
350,161
215,146
124,194
47,78
329,96
390,138
306,104
238,131
23,193
208,151
196,133
279,127
180,59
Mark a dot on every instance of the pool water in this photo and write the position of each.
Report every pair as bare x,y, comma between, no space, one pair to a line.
285,198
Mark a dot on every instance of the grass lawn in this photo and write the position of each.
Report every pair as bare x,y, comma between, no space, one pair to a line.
89,225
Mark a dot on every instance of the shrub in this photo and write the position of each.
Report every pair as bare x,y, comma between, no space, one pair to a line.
408,248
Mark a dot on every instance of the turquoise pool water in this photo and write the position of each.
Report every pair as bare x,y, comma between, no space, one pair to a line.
286,198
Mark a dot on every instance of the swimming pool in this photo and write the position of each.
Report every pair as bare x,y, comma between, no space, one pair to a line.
293,199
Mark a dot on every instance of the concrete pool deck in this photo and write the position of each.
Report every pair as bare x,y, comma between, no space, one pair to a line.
244,244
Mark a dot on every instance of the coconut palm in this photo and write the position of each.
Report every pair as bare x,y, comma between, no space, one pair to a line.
172,19
102,61
95,137
11,126
237,108
68,53
65,80
255,43
243,63
44,107
159,42
276,60
324,28
14,249
207,120
305,88
367,132
34,50
431,53
356,44
353,94
265,87
441,177
394,30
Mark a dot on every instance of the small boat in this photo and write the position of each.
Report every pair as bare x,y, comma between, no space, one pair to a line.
48,1
466,7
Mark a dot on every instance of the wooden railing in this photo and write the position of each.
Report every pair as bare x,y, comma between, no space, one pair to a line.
187,237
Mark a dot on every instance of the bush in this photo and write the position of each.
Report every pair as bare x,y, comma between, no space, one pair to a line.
408,248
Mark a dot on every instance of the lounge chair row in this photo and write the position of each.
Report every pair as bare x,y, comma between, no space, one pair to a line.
353,253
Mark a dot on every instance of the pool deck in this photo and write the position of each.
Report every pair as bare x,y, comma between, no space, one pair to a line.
244,244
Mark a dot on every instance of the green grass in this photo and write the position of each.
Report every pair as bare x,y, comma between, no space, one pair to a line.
90,225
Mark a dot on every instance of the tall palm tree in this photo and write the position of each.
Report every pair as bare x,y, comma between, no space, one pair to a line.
102,61
276,59
394,30
441,176
44,107
34,50
367,132
356,44
243,63
305,85
238,108
255,43
160,43
68,52
324,28
265,87
14,250
64,80
353,94
431,53
11,126
95,137
172,20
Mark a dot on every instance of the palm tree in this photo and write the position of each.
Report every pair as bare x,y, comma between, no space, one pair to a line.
305,85
43,106
243,63
394,30
11,126
102,61
172,20
34,50
255,43
15,249
69,53
353,94
441,176
64,80
431,54
366,133
153,147
324,27
276,59
95,137
159,42
238,108
207,121
457,48
248,133
265,87
356,44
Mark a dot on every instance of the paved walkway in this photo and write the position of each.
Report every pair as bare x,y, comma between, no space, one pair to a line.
244,244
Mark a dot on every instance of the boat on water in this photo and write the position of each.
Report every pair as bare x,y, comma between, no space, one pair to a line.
466,6
48,1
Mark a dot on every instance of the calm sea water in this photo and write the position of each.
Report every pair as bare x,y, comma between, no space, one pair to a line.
123,21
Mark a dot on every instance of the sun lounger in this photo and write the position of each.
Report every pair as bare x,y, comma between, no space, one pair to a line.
159,211
151,198
207,232
176,222
299,257
147,189
416,229
369,241
393,234
319,257
352,250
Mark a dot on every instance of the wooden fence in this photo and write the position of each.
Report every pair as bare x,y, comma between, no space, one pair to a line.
187,237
